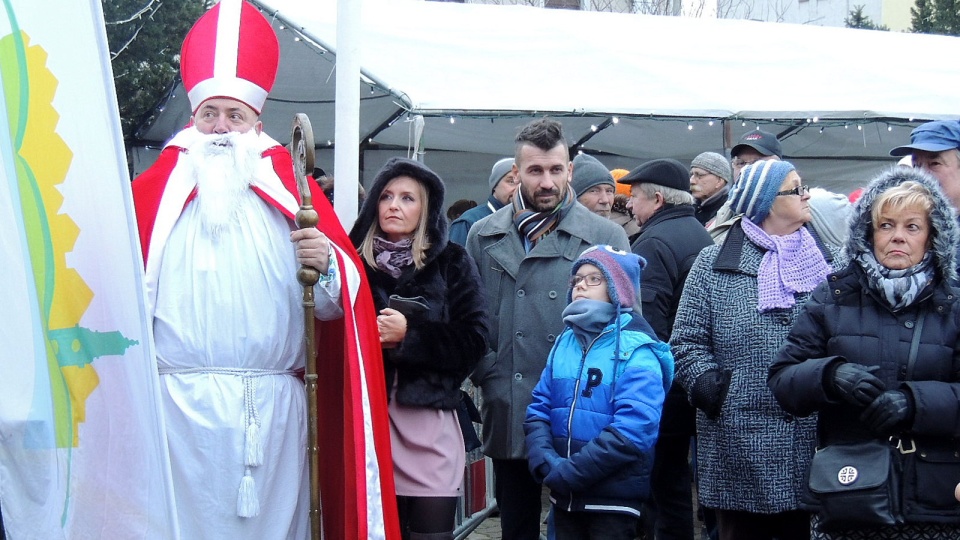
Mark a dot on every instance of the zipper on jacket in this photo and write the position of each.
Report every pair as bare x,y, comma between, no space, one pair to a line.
576,397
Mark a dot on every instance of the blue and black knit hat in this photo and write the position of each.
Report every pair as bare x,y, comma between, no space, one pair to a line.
621,270
754,194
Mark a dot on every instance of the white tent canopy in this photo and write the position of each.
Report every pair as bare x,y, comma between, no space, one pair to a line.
628,87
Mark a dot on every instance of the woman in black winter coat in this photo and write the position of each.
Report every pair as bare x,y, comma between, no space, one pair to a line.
433,328
876,352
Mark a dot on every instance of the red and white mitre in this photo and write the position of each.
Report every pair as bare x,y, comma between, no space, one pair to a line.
230,52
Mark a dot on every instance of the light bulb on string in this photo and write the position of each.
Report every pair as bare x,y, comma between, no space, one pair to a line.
615,120
453,120
689,126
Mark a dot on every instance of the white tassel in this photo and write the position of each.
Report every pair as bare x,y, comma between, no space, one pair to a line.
253,446
247,503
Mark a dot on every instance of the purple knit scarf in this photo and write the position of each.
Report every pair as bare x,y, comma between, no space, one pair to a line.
792,264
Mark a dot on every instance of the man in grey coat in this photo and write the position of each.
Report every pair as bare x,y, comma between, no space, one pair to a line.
524,253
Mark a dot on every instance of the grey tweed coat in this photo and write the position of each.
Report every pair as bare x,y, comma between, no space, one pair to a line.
753,457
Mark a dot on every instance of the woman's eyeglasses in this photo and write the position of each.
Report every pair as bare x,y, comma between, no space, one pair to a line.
593,280
799,190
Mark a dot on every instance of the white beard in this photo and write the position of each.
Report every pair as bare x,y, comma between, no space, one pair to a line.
224,167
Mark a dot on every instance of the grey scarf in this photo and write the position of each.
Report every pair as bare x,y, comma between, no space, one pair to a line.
899,288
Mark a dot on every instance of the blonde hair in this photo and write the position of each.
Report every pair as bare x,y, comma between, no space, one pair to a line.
909,194
421,242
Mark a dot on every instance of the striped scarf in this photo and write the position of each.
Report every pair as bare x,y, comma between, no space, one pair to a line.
535,225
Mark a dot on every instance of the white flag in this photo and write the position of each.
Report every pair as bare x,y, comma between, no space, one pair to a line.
82,448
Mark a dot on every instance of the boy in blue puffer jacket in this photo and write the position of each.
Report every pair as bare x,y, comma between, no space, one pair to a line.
593,422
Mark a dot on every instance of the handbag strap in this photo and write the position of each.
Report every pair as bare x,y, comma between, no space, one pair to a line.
914,346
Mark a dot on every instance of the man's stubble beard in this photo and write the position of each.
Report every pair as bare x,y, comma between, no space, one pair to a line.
224,167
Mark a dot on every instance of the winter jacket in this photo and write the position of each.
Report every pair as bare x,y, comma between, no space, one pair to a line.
593,422
526,294
669,241
442,346
753,456
847,321
461,226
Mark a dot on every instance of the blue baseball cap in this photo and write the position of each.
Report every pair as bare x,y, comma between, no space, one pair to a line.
934,136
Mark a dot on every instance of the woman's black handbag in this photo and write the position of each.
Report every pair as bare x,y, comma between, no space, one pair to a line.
856,485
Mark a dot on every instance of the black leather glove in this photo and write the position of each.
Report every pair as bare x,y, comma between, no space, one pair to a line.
709,391
890,413
856,384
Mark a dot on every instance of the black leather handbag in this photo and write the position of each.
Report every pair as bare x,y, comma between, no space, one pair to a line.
856,485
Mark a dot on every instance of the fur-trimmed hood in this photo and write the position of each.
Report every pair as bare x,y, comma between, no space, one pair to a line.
436,221
943,222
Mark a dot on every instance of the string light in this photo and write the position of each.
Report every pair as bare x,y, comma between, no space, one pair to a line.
689,126
615,120
743,124
593,128
453,120
710,123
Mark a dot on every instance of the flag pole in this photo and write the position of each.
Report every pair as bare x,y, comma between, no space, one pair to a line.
302,151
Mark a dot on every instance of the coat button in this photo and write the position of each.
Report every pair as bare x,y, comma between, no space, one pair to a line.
518,376
551,338
552,294
836,291
908,324
903,371
521,293
519,334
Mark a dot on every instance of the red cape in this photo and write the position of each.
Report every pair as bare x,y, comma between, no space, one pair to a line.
353,340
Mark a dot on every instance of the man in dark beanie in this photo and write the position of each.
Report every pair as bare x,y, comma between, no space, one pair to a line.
593,185
670,239
710,176
503,182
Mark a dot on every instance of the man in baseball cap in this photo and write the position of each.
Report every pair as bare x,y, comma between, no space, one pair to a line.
753,146
935,147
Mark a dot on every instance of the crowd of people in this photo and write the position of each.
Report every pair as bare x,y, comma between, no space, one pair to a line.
725,340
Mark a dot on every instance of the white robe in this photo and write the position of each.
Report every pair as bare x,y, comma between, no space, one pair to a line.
229,321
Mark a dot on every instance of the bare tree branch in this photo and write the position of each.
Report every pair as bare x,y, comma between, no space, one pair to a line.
135,15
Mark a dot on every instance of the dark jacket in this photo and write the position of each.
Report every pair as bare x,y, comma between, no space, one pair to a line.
707,210
442,346
460,227
669,241
847,321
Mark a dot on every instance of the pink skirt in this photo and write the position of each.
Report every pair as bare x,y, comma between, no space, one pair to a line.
428,453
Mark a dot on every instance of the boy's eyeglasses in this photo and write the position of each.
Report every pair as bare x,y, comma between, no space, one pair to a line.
799,190
592,280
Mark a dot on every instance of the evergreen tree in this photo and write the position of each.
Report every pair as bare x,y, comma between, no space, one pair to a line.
857,19
144,38
936,17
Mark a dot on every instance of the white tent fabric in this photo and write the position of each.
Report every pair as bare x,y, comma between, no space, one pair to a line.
838,98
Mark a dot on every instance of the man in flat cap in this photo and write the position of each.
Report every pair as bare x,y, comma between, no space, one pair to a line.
670,240
222,252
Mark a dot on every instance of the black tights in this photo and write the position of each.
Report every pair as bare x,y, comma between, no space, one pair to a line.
426,515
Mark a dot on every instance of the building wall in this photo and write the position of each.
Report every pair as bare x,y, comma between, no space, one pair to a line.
895,14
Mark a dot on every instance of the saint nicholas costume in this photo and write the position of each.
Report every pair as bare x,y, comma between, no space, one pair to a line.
228,326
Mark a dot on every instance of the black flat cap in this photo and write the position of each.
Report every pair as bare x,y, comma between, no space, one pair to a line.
662,172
